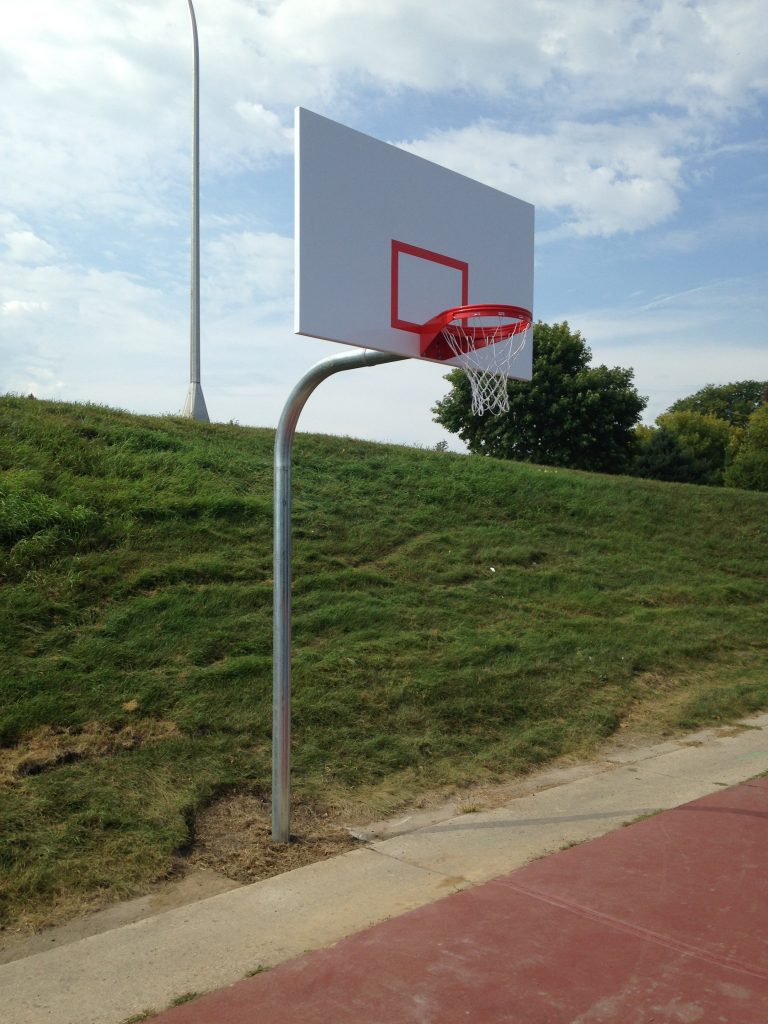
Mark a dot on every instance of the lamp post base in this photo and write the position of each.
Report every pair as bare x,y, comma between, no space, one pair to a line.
194,406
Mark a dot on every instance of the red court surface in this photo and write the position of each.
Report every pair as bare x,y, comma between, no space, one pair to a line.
663,922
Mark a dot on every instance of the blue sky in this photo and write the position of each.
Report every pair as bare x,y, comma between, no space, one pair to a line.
637,129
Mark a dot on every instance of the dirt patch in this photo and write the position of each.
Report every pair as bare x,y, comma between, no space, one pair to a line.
50,746
234,837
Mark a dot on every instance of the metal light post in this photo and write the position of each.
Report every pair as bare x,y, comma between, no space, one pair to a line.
194,406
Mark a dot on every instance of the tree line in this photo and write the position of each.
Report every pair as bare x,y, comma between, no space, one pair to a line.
580,416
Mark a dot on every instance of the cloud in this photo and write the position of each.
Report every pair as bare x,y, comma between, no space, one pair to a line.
87,126
272,135
600,178
248,269
96,109
26,247
16,307
696,57
87,333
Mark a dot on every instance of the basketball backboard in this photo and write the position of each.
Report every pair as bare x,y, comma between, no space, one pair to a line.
386,240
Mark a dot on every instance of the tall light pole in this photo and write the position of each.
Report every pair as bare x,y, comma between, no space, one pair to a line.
194,406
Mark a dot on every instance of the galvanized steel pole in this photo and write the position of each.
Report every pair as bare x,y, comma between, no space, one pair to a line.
194,405
281,629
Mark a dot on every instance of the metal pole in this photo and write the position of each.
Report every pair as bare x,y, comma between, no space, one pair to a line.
194,405
281,628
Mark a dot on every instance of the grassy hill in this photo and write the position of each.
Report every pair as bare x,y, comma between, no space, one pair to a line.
457,619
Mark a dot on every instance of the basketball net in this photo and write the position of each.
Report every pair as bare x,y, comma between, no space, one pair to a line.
486,355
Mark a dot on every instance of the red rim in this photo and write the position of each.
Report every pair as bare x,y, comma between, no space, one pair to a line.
434,345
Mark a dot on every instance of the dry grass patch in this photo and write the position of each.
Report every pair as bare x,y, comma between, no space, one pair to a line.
234,837
50,746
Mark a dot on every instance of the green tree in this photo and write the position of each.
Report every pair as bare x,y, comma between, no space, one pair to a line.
705,440
749,468
659,456
569,414
732,402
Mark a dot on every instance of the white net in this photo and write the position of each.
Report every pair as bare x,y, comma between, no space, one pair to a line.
485,351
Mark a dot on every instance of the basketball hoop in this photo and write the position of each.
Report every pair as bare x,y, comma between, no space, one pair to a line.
484,349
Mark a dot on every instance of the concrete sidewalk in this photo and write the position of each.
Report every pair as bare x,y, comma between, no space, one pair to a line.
107,978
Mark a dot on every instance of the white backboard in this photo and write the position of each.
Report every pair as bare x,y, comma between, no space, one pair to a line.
386,240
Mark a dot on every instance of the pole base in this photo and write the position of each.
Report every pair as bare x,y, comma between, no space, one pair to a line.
194,406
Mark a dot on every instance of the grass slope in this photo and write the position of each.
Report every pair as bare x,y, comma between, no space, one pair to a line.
135,615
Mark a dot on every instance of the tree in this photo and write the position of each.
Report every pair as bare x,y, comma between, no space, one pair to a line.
749,468
660,457
704,439
732,402
569,414
695,440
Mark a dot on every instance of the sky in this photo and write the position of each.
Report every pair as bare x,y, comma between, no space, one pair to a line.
637,128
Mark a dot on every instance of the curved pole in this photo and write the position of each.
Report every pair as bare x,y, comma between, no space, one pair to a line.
281,627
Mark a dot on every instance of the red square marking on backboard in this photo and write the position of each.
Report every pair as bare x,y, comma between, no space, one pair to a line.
404,248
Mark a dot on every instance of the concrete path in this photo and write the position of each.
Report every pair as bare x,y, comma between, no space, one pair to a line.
111,977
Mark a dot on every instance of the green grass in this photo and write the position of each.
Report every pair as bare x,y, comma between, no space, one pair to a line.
135,610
